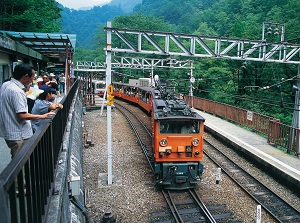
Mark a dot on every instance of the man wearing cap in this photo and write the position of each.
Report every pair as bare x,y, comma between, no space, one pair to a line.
15,125
43,105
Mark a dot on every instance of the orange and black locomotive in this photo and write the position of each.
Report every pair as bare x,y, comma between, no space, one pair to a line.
177,130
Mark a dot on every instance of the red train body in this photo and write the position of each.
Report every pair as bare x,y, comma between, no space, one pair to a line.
177,142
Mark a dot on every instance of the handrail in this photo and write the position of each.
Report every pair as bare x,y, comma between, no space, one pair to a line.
27,183
277,134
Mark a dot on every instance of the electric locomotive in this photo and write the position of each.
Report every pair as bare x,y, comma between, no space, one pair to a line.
177,143
177,134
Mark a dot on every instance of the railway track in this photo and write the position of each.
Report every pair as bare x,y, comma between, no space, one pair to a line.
184,206
140,129
272,203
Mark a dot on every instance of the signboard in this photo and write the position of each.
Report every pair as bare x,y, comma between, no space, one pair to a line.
110,89
110,97
110,102
250,115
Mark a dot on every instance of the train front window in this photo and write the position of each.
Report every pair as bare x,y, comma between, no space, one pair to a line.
101,85
179,127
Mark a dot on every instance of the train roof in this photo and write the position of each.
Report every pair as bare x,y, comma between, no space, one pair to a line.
120,83
143,88
174,109
98,81
151,89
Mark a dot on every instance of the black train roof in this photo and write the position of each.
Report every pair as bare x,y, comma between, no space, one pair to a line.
173,107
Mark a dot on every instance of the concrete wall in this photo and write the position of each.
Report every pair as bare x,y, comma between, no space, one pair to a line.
63,206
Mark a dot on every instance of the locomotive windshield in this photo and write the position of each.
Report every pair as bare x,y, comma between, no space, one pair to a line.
179,127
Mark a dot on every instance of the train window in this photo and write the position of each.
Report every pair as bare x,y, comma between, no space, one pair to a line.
164,126
179,127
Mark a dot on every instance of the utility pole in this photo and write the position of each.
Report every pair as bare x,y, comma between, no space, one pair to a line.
274,29
108,82
192,81
296,117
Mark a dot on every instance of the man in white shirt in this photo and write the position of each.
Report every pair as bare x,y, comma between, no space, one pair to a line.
15,125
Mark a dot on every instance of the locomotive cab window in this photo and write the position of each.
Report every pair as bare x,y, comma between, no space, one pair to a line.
179,127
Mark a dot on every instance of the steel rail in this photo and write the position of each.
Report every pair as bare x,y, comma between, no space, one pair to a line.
289,212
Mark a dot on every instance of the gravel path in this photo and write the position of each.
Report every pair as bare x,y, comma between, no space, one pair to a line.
132,196
132,191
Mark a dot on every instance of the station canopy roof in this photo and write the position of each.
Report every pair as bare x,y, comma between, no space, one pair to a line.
52,45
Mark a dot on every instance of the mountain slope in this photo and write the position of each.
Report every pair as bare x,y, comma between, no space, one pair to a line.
84,23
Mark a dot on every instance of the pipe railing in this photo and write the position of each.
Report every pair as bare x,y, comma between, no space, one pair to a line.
27,182
277,134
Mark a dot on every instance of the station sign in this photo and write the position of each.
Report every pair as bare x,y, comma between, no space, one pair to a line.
110,89
110,97
110,102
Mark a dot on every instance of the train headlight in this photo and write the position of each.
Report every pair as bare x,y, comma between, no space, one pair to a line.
196,153
163,142
195,142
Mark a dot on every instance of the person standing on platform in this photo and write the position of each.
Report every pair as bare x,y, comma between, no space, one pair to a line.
39,81
15,125
43,105
62,80
48,80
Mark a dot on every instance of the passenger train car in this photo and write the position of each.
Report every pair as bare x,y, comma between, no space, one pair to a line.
177,142
98,87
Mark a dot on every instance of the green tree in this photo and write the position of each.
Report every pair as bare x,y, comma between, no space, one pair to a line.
30,15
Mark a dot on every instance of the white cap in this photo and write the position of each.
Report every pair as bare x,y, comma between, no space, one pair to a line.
52,75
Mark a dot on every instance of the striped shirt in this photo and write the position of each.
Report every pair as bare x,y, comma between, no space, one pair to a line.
13,100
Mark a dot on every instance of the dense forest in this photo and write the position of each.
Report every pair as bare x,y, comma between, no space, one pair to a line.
232,82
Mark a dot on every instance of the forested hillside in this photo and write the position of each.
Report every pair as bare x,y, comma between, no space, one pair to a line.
266,88
233,82
85,23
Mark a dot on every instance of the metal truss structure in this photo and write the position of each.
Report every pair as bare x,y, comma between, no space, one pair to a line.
134,63
171,44
194,46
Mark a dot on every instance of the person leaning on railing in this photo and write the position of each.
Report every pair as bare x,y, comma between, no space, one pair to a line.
43,105
15,125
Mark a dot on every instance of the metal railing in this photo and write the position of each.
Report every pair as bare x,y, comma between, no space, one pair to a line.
277,134
27,183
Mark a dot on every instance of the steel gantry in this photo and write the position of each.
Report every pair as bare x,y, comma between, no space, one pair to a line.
133,62
192,46
171,44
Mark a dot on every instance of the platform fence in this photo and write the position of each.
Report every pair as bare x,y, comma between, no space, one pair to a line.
277,134
27,182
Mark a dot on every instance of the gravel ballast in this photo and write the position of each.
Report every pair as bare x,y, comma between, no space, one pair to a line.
132,196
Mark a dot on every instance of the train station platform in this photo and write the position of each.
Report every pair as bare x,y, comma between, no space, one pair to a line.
282,165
